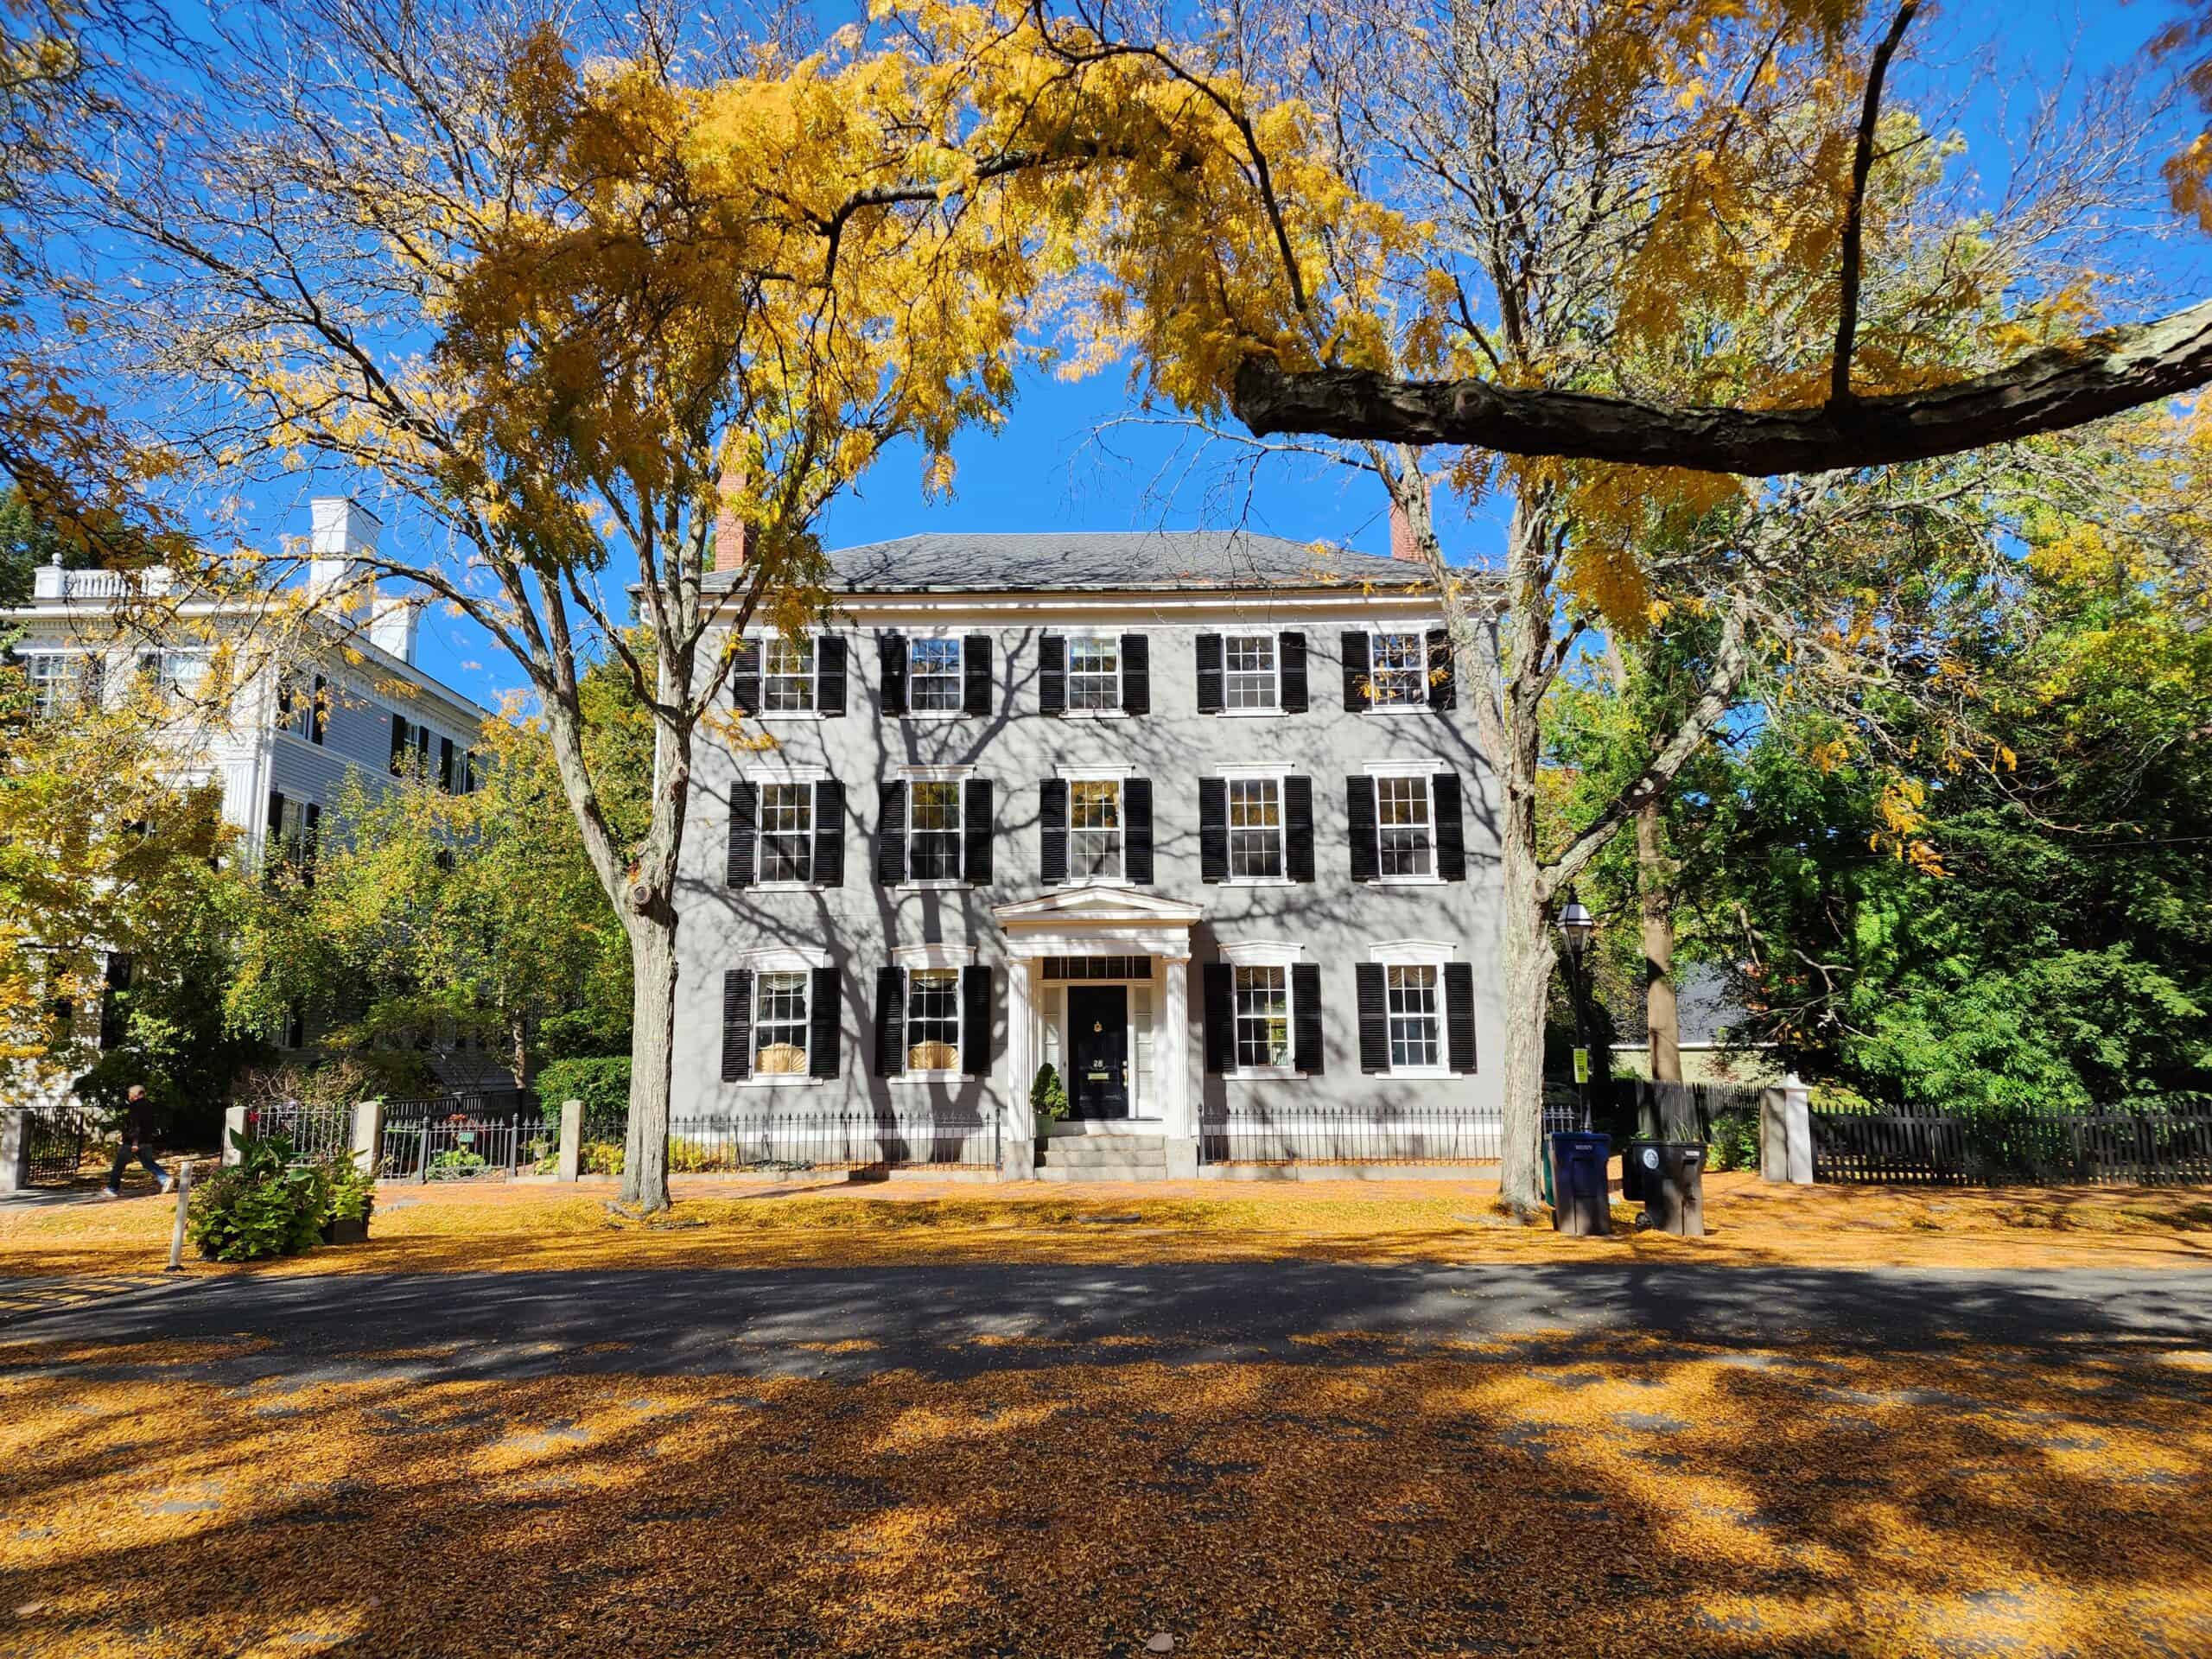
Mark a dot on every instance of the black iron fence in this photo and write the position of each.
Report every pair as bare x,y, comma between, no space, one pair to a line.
59,1139
316,1132
858,1138
487,1135
2027,1144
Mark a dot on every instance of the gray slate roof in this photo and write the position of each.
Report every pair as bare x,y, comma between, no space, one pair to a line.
1704,1007
1103,561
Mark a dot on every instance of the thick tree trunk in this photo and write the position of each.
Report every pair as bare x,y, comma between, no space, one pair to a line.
1654,902
653,1048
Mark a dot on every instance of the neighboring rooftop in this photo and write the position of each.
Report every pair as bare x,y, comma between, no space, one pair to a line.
1103,561
1706,1009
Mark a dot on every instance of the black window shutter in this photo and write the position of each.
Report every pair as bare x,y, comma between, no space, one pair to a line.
1459,1016
1374,1018
1297,828
975,674
1137,831
1136,674
890,835
737,1025
1213,829
829,674
822,1057
976,1021
1220,1018
1052,675
1356,672
445,765
975,833
398,745
1305,1018
1443,688
1359,809
1451,829
1211,698
273,850
744,818
893,652
315,710
1291,657
309,836
890,1022
1052,830
745,676
829,833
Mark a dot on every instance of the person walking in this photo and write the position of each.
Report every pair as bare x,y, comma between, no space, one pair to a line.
137,1136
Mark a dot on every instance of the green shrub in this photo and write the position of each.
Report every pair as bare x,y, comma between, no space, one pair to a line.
1732,1143
601,1157
353,1188
602,1084
1048,1097
455,1162
261,1206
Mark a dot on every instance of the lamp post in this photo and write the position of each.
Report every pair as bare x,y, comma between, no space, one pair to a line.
1576,927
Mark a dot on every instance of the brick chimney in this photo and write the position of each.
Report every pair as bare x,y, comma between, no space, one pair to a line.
729,529
1403,543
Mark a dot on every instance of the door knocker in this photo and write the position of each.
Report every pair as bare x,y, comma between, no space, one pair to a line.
1097,1026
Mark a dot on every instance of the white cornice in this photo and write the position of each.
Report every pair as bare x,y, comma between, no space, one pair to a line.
1261,953
1412,952
934,955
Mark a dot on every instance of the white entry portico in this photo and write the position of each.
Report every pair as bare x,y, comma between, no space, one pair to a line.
1089,921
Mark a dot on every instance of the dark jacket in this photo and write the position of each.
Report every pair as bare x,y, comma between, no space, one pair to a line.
138,1120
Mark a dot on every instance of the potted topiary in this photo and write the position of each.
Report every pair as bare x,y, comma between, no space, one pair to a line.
1048,1098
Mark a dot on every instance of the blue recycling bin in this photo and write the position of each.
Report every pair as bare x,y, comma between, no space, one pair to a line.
1581,1196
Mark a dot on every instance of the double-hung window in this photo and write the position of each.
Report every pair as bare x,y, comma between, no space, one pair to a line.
1249,671
932,1019
779,1024
170,674
787,832
1094,673
1095,829
933,679
787,676
1256,849
1398,671
1415,1017
1404,829
1263,1018
933,832
51,679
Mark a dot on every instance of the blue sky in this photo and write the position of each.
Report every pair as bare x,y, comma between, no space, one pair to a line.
1061,462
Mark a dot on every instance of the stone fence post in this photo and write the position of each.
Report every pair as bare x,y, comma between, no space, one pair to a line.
572,1139
368,1134
234,1132
14,1148
1786,1132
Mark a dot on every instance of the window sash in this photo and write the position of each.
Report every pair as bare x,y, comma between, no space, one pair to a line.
1094,829
1094,672
933,682
780,1023
933,832
932,1019
786,832
1415,1028
1405,843
786,676
1249,671
1398,671
1263,1018
1256,828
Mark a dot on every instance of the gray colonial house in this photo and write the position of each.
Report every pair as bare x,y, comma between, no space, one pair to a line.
1199,820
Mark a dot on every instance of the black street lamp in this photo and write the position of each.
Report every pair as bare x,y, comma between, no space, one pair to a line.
1577,927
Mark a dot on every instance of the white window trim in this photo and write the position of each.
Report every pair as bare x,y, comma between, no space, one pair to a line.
959,710
1420,706
781,959
762,637
933,955
799,777
1413,953
957,776
1248,772
1089,774
1118,709
1264,953
765,774
1419,953
1118,775
1426,771
907,958
1272,711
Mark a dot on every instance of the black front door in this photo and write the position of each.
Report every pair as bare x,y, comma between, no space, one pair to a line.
1098,1044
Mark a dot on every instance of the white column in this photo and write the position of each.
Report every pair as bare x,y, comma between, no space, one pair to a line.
233,1131
1018,1148
14,1148
1170,1059
572,1139
368,1134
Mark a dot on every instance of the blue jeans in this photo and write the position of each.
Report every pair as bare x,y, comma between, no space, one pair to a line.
123,1157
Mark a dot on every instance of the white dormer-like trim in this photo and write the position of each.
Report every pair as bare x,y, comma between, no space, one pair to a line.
1110,773
1262,953
1413,953
958,773
934,955
781,959
773,774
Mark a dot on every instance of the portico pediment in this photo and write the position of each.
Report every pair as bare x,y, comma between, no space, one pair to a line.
1097,917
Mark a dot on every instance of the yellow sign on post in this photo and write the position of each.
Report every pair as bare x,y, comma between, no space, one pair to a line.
1582,1065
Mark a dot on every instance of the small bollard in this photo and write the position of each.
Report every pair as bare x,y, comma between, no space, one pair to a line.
176,1232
